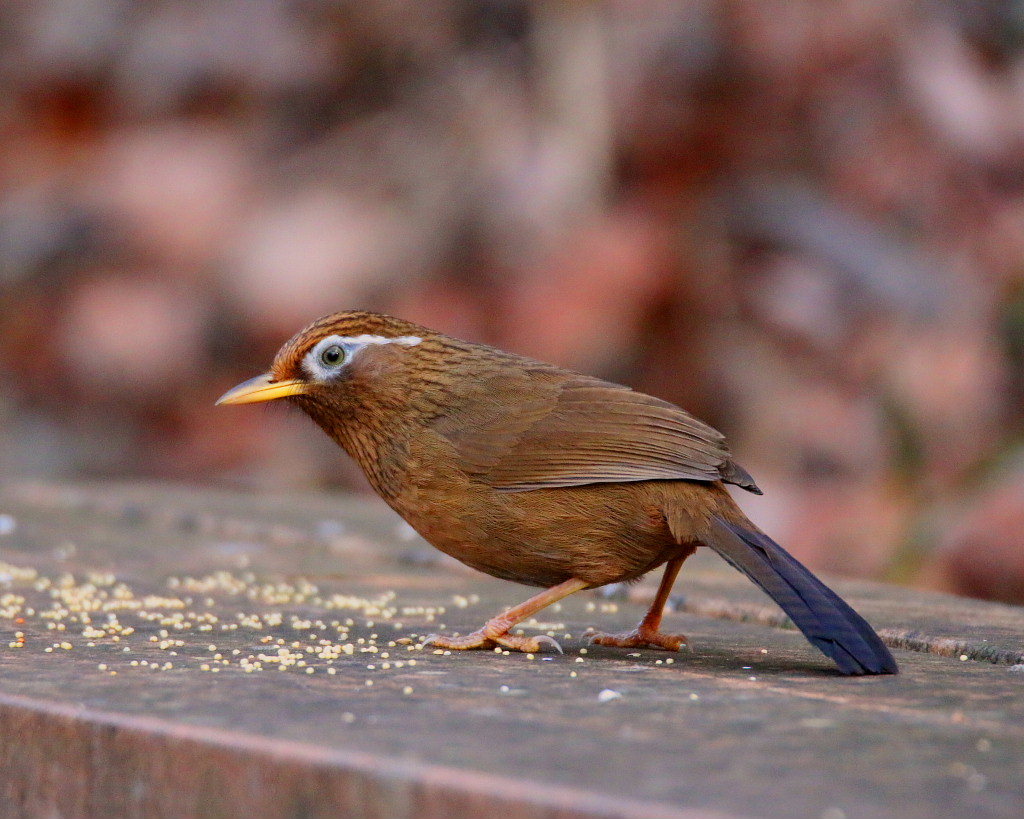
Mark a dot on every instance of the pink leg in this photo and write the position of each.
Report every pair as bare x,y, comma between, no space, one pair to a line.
647,634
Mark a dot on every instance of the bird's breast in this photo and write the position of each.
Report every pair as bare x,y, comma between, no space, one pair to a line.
600,533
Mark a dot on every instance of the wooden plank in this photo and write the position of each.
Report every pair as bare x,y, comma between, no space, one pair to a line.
750,722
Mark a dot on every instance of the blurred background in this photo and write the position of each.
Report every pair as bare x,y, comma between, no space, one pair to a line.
802,221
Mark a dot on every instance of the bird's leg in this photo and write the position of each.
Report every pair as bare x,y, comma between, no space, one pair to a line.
647,634
495,632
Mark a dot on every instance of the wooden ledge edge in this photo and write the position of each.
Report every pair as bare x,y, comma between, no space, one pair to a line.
769,615
68,760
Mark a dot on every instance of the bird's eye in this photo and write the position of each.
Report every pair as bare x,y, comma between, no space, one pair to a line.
332,356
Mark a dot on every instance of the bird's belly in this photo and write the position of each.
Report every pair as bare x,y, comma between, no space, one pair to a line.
601,533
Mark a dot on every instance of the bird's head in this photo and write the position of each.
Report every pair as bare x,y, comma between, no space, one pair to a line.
340,362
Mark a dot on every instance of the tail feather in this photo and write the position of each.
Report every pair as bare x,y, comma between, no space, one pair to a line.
826,620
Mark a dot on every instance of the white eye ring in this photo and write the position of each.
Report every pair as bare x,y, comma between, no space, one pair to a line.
318,362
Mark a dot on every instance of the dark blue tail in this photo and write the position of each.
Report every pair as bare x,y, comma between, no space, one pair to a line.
824,618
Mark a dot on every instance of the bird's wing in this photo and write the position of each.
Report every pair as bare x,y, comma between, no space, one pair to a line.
554,429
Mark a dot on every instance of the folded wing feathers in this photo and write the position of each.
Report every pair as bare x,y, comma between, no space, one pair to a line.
599,433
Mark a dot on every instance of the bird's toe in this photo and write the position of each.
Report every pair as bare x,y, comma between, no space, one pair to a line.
641,638
530,645
460,642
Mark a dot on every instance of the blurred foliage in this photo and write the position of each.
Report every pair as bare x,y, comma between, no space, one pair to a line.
802,221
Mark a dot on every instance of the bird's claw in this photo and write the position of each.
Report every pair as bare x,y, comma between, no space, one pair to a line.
544,640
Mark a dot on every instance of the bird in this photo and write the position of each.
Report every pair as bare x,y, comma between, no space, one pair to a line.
542,476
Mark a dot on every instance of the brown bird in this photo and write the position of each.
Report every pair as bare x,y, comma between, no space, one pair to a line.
542,476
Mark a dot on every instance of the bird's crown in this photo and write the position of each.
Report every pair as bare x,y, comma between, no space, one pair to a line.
334,340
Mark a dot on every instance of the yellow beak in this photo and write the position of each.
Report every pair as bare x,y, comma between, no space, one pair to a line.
262,388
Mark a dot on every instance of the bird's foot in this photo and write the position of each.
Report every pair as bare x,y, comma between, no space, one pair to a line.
485,639
640,637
